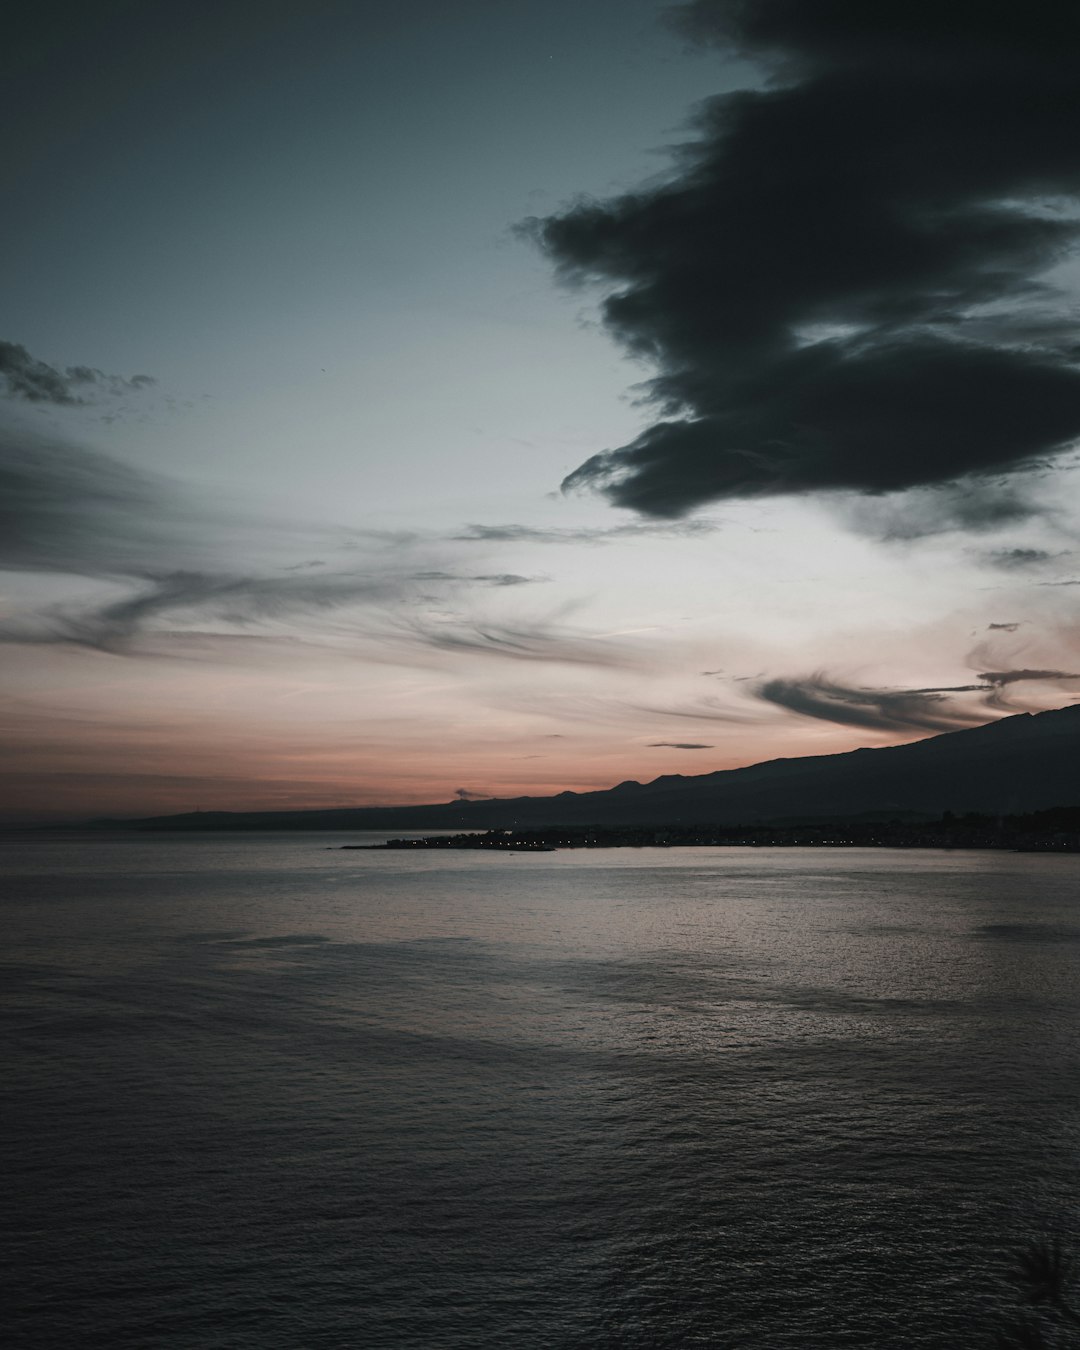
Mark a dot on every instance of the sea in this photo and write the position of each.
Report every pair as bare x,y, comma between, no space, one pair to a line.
264,1091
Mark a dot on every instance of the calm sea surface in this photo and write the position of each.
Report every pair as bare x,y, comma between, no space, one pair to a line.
261,1092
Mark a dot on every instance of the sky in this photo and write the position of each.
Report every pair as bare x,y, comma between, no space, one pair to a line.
402,402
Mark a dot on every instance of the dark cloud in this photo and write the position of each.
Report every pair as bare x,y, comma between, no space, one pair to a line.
1002,627
679,745
922,34
876,709
465,795
25,377
842,282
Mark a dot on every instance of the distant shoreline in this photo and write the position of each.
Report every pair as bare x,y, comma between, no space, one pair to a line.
1049,832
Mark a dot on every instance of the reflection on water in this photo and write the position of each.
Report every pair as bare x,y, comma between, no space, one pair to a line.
268,1093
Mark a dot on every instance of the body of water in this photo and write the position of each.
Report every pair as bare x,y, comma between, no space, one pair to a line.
263,1092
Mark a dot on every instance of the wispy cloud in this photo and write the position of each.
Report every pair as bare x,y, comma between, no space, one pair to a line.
973,505
67,509
522,640
234,600
702,710
188,563
999,681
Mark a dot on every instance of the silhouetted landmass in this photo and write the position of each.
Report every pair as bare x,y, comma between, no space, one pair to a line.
1022,764
1056,831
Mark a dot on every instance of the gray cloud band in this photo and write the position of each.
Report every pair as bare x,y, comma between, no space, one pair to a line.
842,283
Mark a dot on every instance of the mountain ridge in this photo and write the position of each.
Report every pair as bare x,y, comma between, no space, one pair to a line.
1026,762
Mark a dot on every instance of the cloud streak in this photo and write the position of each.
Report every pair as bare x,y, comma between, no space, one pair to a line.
821,697
842,283
934,709
522,640
701,710
485,578
197,596
679,745
531,534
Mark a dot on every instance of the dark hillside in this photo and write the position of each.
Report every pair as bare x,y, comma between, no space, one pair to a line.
1030,762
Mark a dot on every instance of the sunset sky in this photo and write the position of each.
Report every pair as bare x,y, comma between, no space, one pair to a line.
502,397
